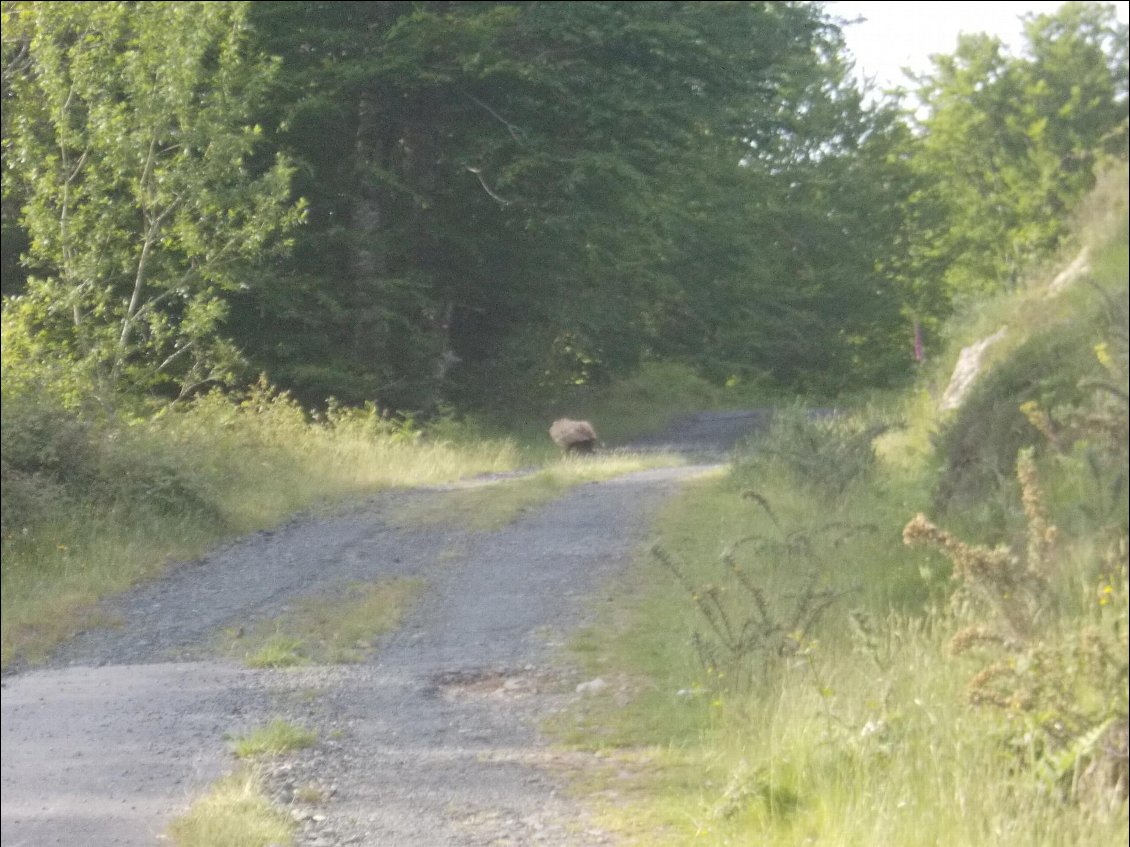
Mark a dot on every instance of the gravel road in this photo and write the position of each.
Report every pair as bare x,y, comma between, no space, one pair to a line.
431,742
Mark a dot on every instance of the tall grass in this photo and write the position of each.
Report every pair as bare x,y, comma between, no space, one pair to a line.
788,671
93,503
856,731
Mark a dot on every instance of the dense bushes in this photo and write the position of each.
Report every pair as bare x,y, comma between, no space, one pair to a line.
56,461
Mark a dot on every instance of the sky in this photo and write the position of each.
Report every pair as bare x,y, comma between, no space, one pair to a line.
904,33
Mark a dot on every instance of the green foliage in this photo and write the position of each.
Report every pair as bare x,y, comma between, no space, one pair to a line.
980,443
824,451
792,283
273,739
510,201
56,460
132,147
1009,144
520,198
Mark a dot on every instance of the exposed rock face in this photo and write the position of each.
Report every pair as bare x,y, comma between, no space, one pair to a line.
969,362
967,369
1081,266
573,436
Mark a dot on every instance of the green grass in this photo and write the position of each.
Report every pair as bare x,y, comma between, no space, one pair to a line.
274,739
234,813
277,651
860,736
335,629
91,508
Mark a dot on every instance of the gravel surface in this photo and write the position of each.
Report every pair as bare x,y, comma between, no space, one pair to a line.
709,435
431,742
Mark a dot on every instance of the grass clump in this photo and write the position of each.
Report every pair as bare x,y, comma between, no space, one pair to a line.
234,813
338,629
274,739
278,651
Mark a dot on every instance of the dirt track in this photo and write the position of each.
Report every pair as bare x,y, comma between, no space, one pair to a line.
432,742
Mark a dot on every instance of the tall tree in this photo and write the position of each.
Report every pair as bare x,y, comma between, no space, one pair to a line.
1009,142
504,195
131,142
795,253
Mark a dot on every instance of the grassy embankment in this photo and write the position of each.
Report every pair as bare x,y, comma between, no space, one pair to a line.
94,502
93,505
789,668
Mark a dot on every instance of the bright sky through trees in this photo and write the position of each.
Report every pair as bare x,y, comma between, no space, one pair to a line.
897,35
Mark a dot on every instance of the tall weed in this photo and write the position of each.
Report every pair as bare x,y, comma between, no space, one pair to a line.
1061,680
824,452
749,631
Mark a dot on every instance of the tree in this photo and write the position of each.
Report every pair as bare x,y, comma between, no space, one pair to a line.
511,198
788,263
1009,143
130,141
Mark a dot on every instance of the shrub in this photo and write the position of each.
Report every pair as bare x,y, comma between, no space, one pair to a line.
1061,680
826,453
56,460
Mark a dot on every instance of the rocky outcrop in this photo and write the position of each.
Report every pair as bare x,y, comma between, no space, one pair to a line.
967,369
1078,268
